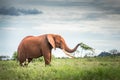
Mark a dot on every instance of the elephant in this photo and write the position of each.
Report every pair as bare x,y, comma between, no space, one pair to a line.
36,46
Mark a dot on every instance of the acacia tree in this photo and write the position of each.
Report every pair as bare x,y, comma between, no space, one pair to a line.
86,47
14,56
114,52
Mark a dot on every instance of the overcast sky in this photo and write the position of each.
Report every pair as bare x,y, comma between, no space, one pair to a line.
93,22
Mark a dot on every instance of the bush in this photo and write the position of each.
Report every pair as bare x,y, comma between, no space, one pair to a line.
14,57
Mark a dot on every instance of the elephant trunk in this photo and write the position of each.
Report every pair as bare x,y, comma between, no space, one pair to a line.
67,49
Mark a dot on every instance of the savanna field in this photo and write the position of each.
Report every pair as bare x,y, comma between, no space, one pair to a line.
101,68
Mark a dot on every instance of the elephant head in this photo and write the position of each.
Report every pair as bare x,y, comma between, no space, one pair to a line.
57,41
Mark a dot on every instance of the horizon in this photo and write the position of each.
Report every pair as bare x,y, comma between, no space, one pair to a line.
93,22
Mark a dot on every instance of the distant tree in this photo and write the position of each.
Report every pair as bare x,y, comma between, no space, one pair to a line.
86,47
118,54
83,47
4,57
114,52
14,56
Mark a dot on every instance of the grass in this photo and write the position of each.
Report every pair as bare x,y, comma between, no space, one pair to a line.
105,68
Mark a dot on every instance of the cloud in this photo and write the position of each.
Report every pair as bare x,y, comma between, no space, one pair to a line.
12,11
60,28
10,28
108,6
60,3
94,16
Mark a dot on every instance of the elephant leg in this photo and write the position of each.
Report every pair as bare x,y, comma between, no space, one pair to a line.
47,58
22,63
25,62
29,60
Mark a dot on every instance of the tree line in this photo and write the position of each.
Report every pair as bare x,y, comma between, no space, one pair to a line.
113,53
84,47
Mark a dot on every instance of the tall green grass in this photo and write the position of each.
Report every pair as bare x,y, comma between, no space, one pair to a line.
105,68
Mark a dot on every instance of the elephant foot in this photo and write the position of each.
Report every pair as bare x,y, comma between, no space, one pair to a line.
25,63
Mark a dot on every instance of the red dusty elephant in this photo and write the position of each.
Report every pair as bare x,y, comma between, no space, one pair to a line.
37,46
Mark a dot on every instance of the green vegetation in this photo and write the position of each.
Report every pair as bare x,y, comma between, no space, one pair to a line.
100,68
86,47
14,57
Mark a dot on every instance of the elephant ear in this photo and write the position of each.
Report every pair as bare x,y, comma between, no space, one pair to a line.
51,41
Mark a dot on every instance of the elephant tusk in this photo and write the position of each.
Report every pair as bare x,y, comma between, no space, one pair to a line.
68,54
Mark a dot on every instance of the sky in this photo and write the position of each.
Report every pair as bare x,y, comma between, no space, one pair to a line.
93,22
